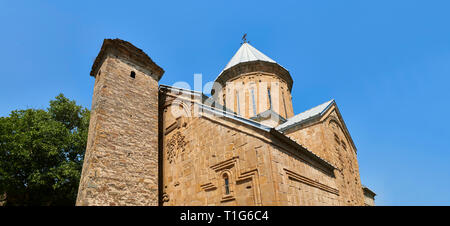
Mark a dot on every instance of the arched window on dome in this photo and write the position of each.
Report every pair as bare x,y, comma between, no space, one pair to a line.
253,100
224,100
237,103
284,104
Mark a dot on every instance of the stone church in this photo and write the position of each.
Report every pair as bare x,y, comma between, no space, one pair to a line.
152,144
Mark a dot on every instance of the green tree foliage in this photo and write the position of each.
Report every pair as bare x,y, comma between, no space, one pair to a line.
41,153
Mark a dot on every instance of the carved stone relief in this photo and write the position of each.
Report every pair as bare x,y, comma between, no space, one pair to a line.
175,145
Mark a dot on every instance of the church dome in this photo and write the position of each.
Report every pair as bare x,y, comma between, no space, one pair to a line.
248,59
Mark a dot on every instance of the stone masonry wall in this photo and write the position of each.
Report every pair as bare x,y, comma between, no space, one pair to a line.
121,161
300,184
327,139
199,151
369,200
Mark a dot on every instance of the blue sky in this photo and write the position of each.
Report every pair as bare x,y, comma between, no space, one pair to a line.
387,64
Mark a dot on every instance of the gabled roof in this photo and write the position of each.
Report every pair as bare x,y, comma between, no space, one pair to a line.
305,116
247,53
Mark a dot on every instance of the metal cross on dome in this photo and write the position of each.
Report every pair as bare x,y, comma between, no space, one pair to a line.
244,39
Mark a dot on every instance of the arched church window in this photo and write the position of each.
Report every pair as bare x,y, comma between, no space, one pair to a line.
226,180
133,74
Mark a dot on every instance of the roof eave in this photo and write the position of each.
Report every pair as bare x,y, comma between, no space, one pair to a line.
284,73
366,189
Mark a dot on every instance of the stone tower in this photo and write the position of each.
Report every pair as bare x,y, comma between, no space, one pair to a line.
121,160
255,86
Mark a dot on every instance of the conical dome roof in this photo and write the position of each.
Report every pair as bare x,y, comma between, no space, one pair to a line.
247,53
